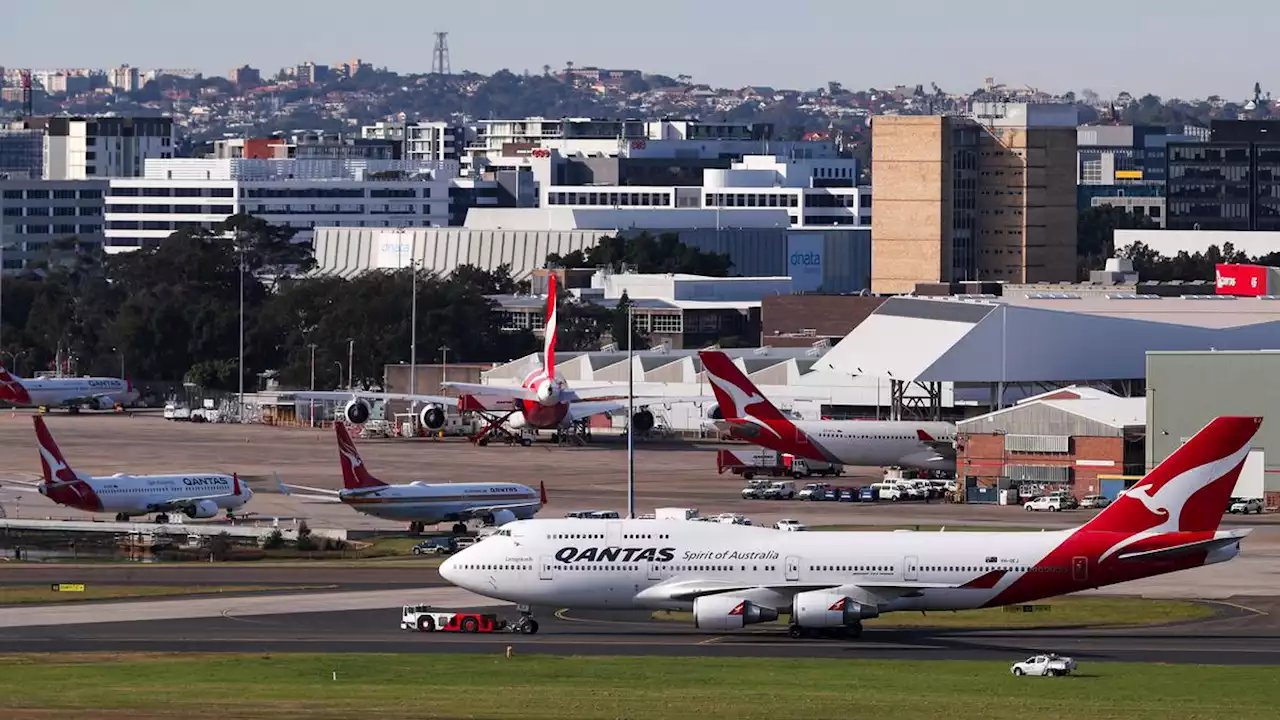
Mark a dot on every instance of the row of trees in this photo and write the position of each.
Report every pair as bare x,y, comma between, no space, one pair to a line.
173,312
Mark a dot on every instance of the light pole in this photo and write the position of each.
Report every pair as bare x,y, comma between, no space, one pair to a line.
240,272
631,417
413,332
339,364
312,401
351,362
444,369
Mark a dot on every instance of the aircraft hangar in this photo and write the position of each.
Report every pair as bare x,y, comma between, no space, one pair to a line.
1014,347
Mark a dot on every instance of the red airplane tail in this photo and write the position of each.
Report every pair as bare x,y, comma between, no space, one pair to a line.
737,396
12,390
542,492
354,474
55,467
549,331
1191,489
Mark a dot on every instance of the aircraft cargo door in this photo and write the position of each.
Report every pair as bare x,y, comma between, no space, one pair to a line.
793,569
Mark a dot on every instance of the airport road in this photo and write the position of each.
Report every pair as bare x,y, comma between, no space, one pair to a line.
1240,638
594,477
373,575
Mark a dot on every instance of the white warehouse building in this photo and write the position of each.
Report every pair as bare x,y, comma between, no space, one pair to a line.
303,194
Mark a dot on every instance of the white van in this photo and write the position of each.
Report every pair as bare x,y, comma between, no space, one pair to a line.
888,490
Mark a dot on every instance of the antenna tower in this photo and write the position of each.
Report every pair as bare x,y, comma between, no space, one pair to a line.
440,55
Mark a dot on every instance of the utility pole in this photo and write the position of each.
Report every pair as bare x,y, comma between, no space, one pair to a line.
240,268
312,401
444,370
413,334
631,415
351,355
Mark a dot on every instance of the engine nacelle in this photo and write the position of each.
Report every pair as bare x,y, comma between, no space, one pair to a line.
203,509
642,421
516,421
821,609
714,413
357,412
432,417
501,517
722,612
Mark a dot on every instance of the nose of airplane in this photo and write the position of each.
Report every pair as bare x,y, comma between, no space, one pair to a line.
449,570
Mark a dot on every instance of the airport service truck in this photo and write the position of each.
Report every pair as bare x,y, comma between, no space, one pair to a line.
770,463
675,513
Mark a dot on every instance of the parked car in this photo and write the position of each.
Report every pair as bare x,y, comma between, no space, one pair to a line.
813,491
1094,502
754,489
436,546
868,493
831,494
1244,506
1044,502
1068,500
789,525
1050,665
779,490
848,494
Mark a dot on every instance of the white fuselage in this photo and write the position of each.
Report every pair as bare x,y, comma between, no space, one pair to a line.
432,503
875,443
141,494
54,392
543,563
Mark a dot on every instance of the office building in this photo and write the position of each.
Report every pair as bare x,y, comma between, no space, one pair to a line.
124,78
35,212
1125,166
303,194
21,154
245,77
1231,182
81,148
422,141
990,196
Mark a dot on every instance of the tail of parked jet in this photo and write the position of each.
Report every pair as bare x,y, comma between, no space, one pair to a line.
12,390
354,475
55,467
549,331
737,396
1191,490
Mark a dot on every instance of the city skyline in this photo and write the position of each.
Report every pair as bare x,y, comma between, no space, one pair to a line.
1053,48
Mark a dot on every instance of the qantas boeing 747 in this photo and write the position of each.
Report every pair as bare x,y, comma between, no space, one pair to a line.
421,503
750,416
196,495
730,576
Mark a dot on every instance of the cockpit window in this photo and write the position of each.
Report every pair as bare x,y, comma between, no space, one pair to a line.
504,533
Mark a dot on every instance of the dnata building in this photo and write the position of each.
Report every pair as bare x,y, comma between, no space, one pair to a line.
302,194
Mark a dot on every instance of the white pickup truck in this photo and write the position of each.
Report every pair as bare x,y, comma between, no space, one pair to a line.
1044,666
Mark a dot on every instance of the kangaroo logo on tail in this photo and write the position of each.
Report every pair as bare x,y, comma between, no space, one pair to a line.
354,474
735,393
12,390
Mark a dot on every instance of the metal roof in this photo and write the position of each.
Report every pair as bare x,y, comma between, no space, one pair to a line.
1120,413
989,341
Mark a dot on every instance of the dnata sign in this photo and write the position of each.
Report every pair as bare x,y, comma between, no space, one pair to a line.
804,261
807,259
1247,280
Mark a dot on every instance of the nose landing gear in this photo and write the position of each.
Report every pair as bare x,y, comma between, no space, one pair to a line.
526,624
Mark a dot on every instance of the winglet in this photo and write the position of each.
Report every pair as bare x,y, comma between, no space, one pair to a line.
924,436
235,484
542,492
284,489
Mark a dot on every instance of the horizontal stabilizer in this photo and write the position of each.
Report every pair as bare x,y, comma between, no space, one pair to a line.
1223,539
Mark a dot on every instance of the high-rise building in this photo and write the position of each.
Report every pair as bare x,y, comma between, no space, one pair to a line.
1231,182
79,148
1124,166
124,78
245,77
990,196
21,154
35,212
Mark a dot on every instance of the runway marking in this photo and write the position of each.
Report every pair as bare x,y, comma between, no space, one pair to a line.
714,640
561,614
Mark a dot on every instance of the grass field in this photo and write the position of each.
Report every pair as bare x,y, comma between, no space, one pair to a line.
537,687
29,594
1088,611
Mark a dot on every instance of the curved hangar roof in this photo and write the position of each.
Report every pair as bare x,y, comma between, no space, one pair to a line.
1045,339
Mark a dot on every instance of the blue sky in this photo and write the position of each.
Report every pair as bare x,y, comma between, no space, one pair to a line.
1185,48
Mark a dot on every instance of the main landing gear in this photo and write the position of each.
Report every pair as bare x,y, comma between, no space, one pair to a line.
416,528
459,529
526,624
845,632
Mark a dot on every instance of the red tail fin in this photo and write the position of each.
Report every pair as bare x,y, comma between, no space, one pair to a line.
353,473
542,493
235,484
56,469
1191,489
11,389
549,334
736,395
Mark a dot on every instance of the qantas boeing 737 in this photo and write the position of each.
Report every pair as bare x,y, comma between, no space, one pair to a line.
543,401
730,576
420,503
751,417
71,393
196,495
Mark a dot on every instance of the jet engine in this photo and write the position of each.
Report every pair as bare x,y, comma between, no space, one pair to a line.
714,413
642,421
516,421
500,517
431,417
820,609
357,412
202,509
725,612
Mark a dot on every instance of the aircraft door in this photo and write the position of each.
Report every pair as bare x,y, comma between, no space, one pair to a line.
655,571
1080,569
910,568
793,569
544,567
613,534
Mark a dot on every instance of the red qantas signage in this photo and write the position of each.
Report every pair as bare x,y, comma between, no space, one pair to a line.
1250,280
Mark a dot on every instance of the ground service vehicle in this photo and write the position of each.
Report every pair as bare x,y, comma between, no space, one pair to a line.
1051,504
779,490
436,546
1050,665
1244,506
423,618
731,576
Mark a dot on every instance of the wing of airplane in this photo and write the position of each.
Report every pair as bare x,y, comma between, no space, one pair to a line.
944,448
21,484
504,392
340,396
184,502
689,588
585,409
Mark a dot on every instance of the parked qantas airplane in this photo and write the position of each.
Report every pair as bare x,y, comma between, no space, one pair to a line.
71,393
735,575
421,503
196,495
751,417
543,401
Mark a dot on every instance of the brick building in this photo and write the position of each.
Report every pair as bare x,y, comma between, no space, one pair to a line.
802,320
1072,438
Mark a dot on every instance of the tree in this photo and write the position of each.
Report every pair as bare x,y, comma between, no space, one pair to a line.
1095,235
619,326
645,253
